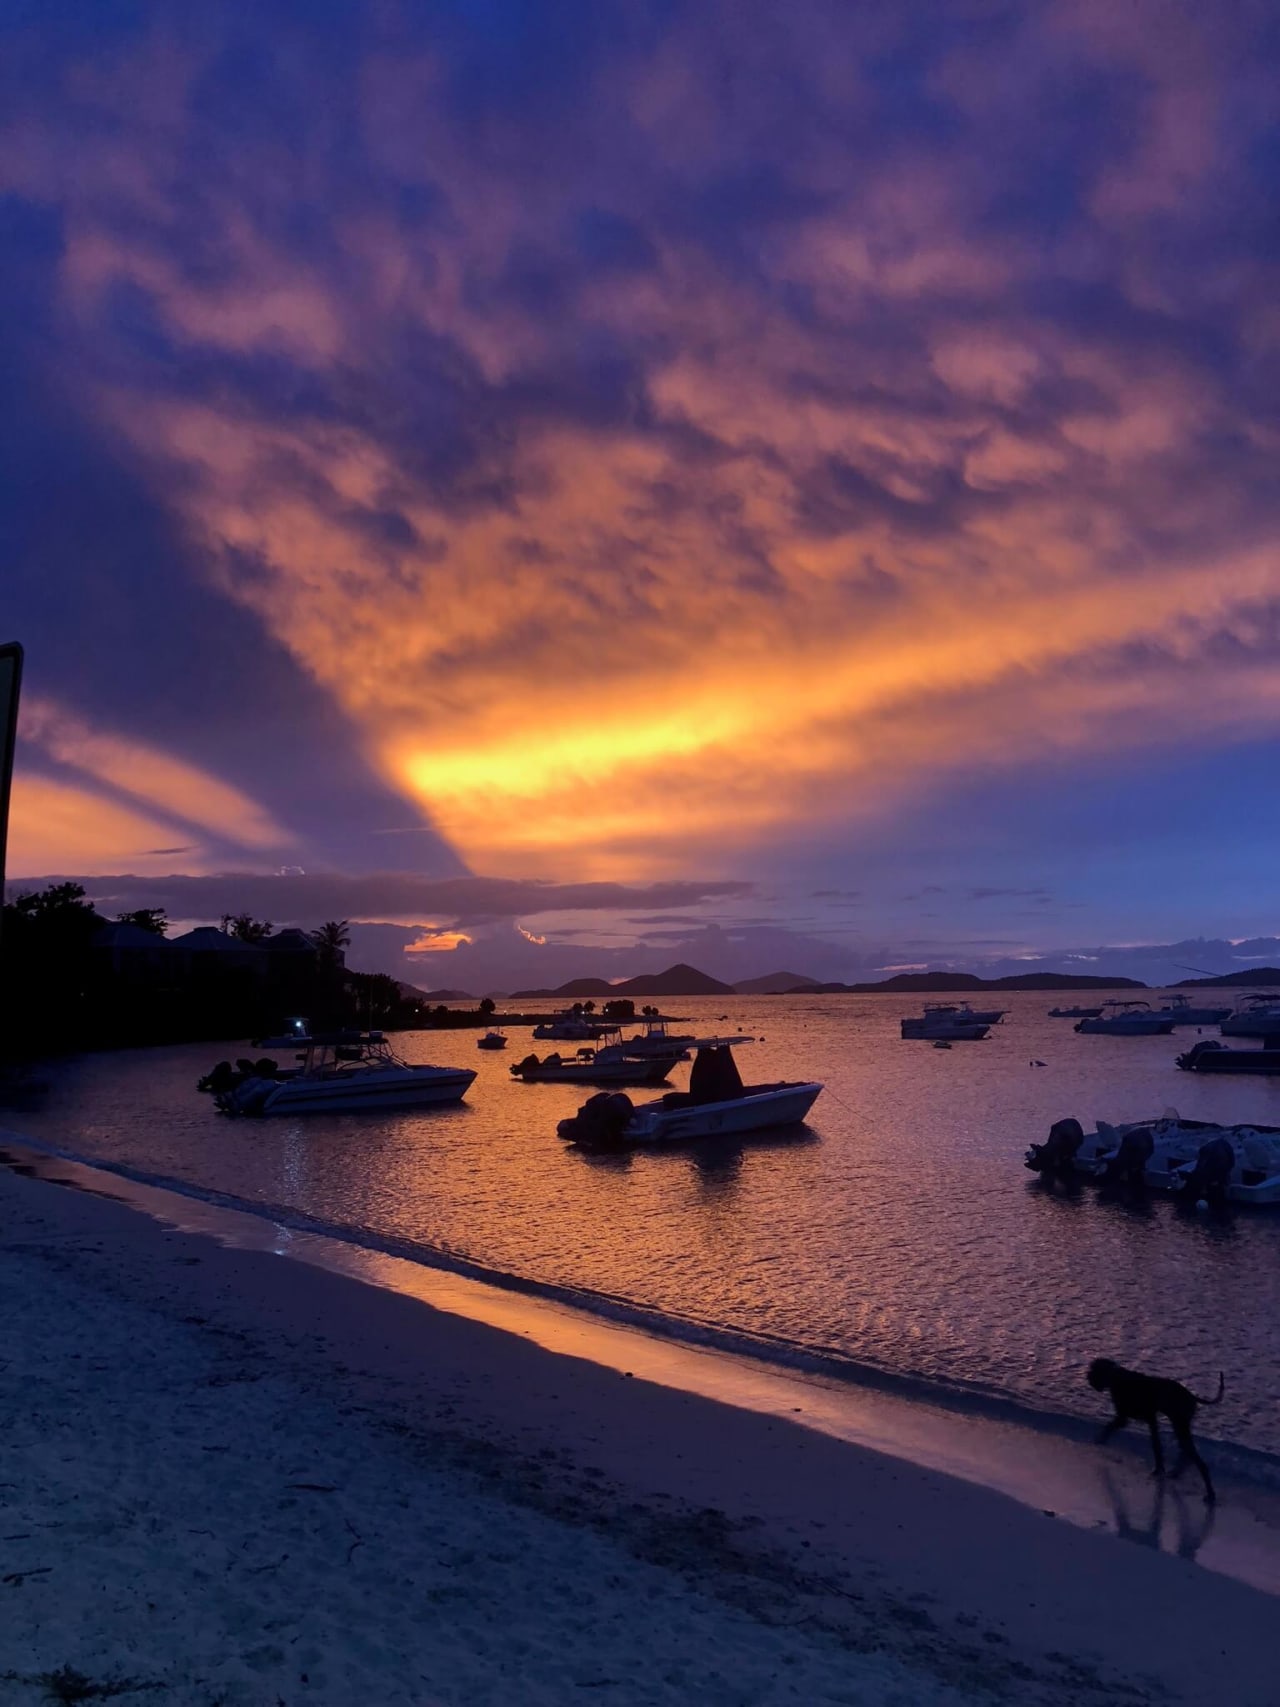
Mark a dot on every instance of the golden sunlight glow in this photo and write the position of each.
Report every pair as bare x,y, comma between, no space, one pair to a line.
798,576
152,778
437,942
54,827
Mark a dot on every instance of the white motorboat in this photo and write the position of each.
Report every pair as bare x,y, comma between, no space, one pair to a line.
952,1022
1257,1016
1180,1010
1126,1019
342,1072
492,1039
716,1105
1193,1159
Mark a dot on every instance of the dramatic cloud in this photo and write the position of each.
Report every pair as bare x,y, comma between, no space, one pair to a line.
627,442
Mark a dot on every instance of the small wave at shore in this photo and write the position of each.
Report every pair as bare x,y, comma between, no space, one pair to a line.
775,1352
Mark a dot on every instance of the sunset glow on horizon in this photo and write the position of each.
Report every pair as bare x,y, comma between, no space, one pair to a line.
571,447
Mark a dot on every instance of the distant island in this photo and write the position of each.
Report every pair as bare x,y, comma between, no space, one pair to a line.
684,980
1260,977
955,982
678,980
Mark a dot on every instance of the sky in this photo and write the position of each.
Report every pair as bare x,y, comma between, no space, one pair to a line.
775,482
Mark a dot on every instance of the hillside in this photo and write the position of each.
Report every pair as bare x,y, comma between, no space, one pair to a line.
678,980
942,983
774,984
1258,977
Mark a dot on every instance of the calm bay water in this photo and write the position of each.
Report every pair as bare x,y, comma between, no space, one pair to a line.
899,1229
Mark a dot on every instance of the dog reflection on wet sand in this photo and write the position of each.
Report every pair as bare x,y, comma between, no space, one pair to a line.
1146,1398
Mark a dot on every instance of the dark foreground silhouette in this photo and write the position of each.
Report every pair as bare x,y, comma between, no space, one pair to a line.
1146,1398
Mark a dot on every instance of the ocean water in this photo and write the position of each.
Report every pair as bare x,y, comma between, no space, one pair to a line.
897,1236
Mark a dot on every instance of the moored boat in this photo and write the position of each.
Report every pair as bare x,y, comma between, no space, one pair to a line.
655,1039
607,1063
345,1072
953,1022
492,1039
1257,1016
716,1105
1180,1010
571,1026
1126,1019
1074,1013
1210,1056
1197,1161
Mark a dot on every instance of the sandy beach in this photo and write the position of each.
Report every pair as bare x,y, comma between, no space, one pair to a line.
233,1478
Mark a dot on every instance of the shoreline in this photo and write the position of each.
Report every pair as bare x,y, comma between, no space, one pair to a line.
961,1592
928,1421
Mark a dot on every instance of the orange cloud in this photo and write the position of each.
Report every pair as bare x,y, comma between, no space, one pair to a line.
859,513
155,779
56,827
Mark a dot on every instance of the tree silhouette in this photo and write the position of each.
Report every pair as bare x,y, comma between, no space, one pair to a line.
487,1006
245,928
331,939
153,919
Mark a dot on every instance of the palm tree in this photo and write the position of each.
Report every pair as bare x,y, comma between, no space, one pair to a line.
331,939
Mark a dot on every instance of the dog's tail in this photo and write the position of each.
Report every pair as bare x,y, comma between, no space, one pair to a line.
1222,1387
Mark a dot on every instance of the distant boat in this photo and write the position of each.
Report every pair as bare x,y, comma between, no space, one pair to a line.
1126,1019
492,1040
1257,1016
716,1105
952,1022
1181,1012
1074,1013
570,1027
607,1063
655,1039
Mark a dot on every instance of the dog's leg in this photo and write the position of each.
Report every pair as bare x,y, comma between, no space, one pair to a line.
1187,1446
1157,1451
1108,1429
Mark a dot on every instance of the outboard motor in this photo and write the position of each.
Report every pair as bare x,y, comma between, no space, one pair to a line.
222,1078
1190,1062
1208,1179
1129,1164
1058,1152
600,1122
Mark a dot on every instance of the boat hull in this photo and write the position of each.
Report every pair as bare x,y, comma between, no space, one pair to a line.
1261,1062
1125,1028
1250,1025
351,1093
659,1124
598,1072
917,1031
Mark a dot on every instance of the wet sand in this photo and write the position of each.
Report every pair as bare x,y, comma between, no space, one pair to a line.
237,1478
